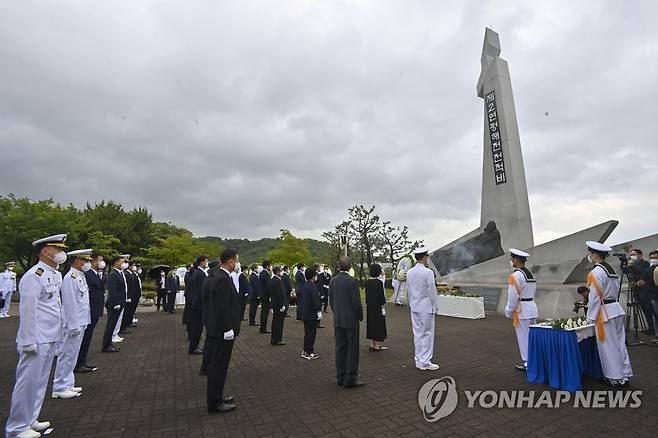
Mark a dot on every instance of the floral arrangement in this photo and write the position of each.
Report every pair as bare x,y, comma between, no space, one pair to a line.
401,275
569,323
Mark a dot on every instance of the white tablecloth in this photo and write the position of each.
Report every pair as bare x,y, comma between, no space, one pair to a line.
461,307
581,332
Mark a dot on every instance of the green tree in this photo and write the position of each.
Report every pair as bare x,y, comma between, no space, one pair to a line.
290,250
104,244
181,249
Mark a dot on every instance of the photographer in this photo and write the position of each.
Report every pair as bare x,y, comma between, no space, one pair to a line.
583,291
637,268
649,282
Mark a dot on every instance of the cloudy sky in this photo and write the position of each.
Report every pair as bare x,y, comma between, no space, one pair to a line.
240,118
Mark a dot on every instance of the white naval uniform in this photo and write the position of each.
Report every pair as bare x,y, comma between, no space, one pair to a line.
40,325
117,327
603,284
400,287
75,312
7,289
423,303
521,307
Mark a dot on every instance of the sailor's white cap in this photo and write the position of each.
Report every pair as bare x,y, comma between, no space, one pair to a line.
420,251
80,254
597,247
519,253
56,240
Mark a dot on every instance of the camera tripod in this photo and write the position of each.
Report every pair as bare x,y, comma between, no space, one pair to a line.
634,312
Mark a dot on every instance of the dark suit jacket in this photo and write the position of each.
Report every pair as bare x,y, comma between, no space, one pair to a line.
254,286
345,301
312,302
277,294
173,283
196,284
300,280
287,287
96,294
243,282
223,304
133,286
265,280
116,290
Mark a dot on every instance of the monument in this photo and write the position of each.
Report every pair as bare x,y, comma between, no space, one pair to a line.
478,261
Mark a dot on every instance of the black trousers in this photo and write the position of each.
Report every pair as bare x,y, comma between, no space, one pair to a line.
206,355
310,330
264,313
243,305
253,308
347,354
278,318
299,309
219,357
171,302
162,297
644,299
194,328
128,313
325,301
86,342
112,319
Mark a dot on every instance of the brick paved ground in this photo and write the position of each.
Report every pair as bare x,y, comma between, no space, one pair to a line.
152,387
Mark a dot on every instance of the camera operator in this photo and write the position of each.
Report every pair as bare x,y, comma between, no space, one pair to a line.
636,270
583,291
649,281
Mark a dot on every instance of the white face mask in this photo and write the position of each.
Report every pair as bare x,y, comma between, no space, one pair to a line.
589,258
634,257
10,268
124,266
134,268
101,265
237,267
653,262
139,271
59,258
511,264
86,266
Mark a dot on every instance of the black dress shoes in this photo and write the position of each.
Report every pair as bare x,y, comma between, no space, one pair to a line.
253,323
229,399
110,350
278,343
266,331
82,369
196,351
93,367
222,408
356,384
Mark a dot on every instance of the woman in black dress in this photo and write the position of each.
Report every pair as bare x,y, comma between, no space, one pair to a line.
375,299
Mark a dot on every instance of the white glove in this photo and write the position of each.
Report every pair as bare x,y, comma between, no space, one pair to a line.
229,335
128,300
283,309
117,307
383,312
319,315
75,332
32,348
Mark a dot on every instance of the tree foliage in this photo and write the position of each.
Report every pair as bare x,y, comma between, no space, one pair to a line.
290,250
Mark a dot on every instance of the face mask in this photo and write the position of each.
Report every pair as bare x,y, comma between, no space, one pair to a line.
134,268
86,266
162,274
511,264
101,265
59,258
139,271
653,262
11,268
589,258
124,266
237,267
634,258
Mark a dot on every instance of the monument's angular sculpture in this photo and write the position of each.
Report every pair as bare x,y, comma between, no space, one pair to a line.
479,260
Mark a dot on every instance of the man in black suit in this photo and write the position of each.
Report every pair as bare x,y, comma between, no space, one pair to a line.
172,284
287,286
345,301
195,315
324,277
279,307
223,326
265,279
116,301
131,282
300,280
243,282
96,284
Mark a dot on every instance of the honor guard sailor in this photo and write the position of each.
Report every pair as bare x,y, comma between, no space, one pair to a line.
7,288
39,331
75,312
521,307
605,311
424,304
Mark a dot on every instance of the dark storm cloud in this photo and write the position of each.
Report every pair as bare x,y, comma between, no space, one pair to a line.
238,119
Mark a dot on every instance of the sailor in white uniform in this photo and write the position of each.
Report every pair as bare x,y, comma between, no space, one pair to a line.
7,287
75,312
605,311
423,303
39,331
521,307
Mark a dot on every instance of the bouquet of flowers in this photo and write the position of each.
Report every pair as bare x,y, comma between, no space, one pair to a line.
401,275
569,323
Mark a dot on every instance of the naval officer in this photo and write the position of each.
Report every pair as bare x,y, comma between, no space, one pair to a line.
7,288
423,303
39,331
604,310
76,315
521,307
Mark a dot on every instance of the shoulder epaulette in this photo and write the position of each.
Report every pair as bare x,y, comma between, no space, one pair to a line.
610,272
39,271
